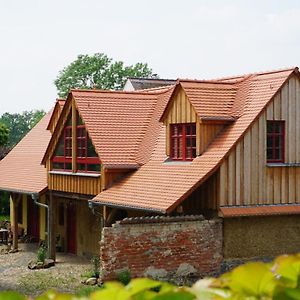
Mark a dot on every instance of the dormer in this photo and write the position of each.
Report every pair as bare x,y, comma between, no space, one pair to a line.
72,162
196,112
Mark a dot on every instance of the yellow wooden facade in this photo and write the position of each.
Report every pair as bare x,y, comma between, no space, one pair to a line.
25,215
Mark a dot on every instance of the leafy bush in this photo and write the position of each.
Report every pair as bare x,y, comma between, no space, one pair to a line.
279,280
124,276
42,253
96,266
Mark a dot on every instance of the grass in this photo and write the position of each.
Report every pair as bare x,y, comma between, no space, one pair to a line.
4,218
38,282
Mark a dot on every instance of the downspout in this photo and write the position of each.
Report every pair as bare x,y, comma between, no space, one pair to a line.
92,206
35,198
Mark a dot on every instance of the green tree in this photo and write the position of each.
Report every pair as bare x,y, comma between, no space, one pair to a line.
97,71
20,124
3,134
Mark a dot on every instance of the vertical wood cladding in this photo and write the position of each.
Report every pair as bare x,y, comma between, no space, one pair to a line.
245,178
182,111
203,199
74,184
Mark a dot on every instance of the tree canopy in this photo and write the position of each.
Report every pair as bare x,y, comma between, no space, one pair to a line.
97,71
19,124
3,134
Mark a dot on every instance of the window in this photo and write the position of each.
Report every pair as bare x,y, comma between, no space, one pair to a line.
275,141
87,159
183,141
62,159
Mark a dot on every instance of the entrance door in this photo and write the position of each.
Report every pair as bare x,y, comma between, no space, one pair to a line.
71,228
33,219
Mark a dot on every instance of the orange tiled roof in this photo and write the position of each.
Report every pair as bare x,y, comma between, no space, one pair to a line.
120,123
262,210
59,104
20,170
160,185
211,99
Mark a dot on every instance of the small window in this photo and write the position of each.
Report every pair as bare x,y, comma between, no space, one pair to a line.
183,141
275,141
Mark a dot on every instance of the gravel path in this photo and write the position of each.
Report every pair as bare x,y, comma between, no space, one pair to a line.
65,276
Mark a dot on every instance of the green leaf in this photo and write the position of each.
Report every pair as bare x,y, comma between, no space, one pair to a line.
205,289
11,296
252,279
288,267
110,291
175,295
141,284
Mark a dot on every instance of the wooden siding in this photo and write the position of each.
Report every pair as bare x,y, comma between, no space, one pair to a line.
74,184
182,111
205,134
245,178
87,222
205,198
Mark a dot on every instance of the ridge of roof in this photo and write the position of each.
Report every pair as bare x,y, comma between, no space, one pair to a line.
160,90
255,74
213,81
151,79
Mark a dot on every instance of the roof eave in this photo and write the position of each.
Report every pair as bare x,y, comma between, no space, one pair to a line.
126,206
25,192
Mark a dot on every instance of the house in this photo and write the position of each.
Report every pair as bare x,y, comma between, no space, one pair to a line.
227,149
136,83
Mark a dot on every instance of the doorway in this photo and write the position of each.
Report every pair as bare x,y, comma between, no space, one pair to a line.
71,227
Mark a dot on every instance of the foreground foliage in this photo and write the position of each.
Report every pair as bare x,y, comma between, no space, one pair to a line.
279,280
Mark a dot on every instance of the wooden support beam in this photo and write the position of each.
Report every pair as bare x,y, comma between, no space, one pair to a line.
52,220
15,199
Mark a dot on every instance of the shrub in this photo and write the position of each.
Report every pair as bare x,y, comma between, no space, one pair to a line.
42,253
124,276
96,265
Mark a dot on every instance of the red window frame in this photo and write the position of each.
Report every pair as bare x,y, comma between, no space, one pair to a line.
82,150
275,141
82,158
183,141
67,157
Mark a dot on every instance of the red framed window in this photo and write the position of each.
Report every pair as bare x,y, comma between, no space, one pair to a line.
183,141
275,141
87,159
62,159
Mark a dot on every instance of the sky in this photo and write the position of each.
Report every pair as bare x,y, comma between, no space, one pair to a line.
195,39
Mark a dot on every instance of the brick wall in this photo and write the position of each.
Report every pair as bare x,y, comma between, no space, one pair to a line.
162,247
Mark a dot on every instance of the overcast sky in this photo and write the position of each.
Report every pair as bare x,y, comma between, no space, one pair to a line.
186,39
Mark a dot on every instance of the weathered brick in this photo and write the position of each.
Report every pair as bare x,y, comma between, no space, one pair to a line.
139,244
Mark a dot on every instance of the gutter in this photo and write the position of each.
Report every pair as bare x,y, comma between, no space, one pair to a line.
35,198
124,206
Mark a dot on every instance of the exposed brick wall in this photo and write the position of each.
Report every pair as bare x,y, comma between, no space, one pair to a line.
162,247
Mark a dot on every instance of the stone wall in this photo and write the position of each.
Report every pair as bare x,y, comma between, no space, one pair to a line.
162,247
264,236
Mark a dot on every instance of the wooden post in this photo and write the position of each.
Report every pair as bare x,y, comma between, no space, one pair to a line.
15,199
52,220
